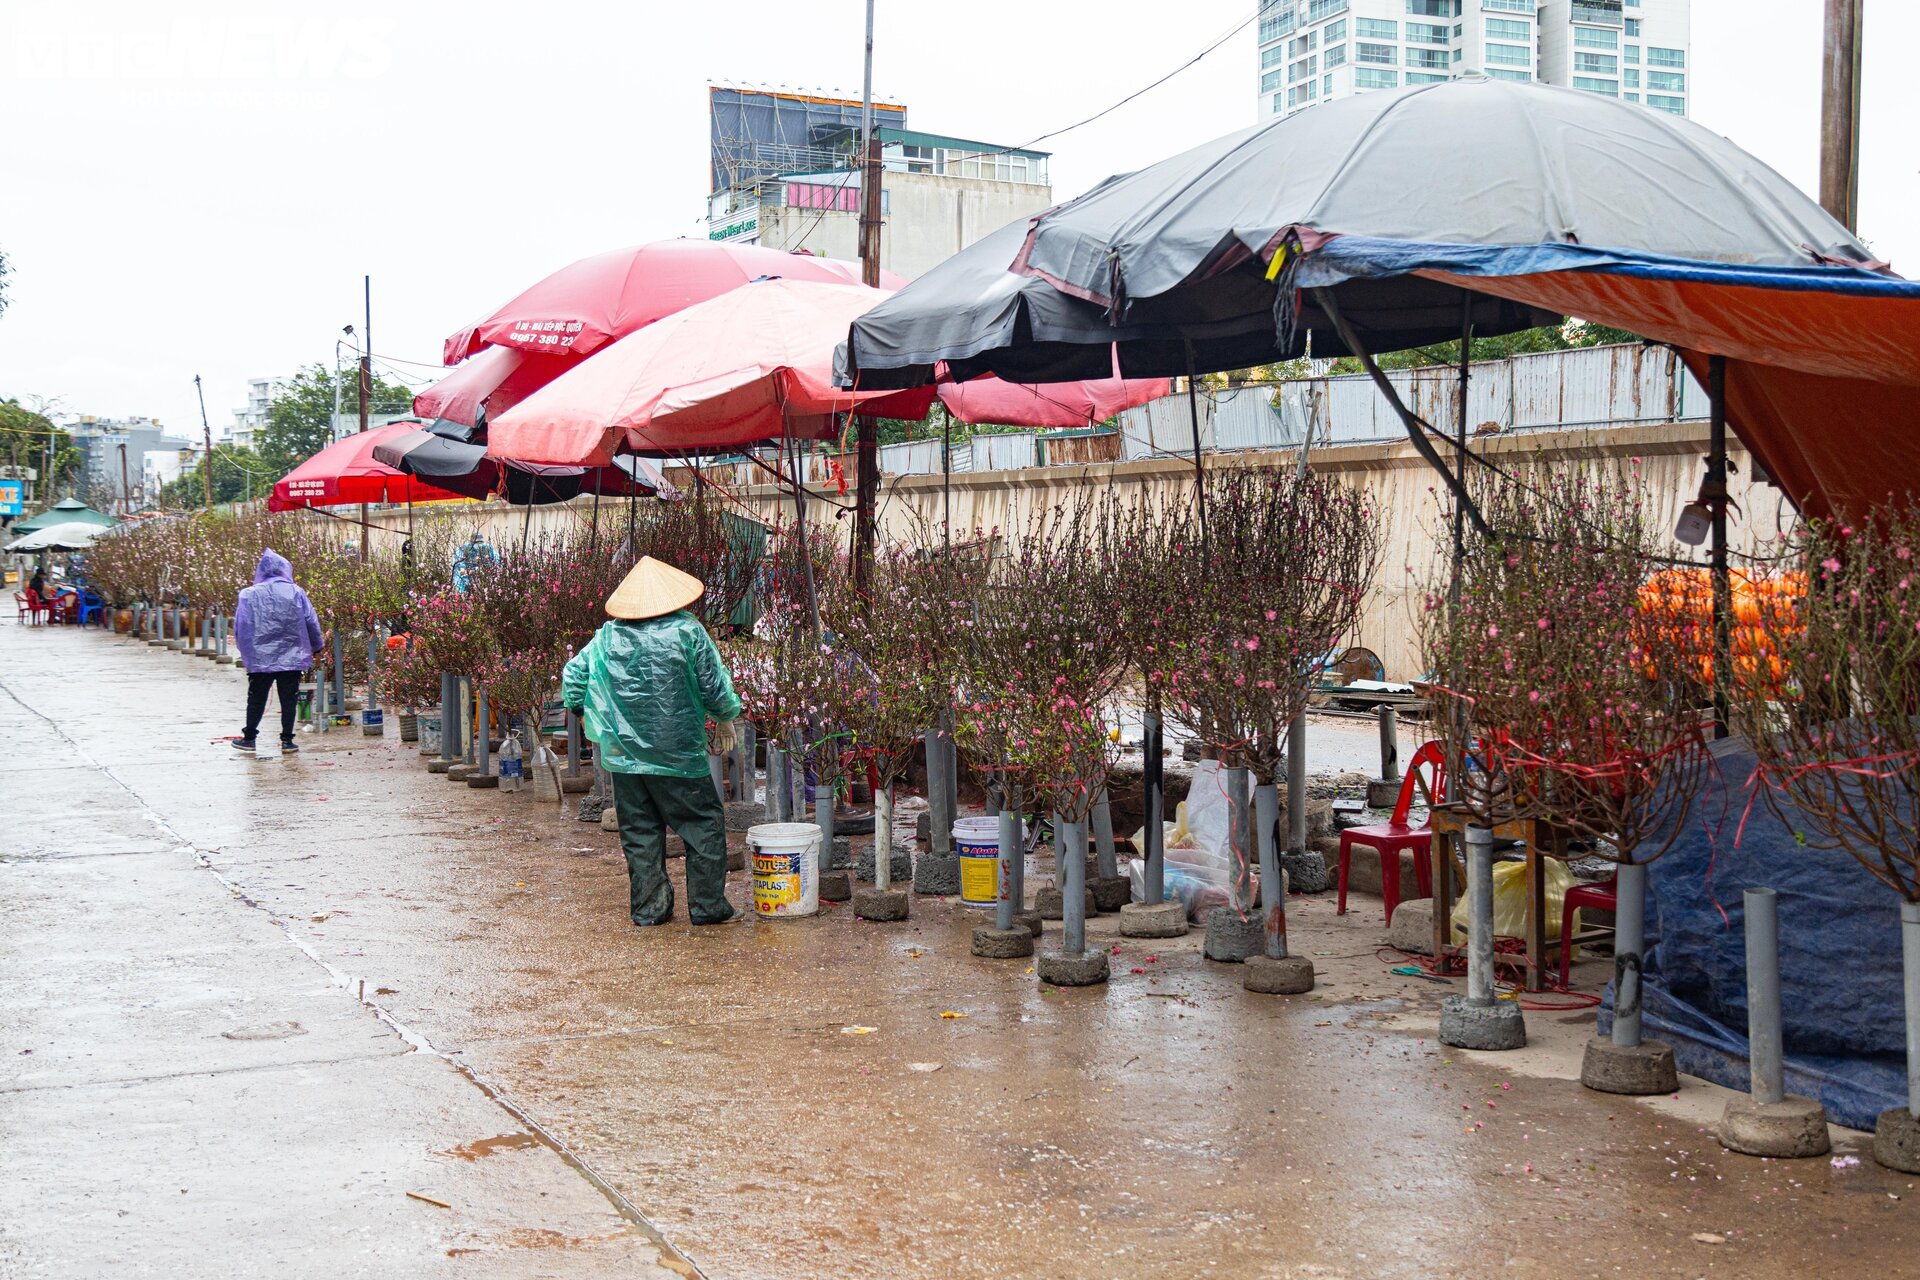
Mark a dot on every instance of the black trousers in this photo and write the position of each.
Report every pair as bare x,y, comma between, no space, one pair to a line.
258,682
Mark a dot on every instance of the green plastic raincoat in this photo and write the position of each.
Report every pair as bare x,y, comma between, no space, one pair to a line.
647,689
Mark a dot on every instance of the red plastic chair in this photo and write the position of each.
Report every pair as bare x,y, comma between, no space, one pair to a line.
1393,837
24,607
38,610
1600,896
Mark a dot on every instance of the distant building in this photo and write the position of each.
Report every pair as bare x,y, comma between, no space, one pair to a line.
113,459
1314,50
247,421
787,175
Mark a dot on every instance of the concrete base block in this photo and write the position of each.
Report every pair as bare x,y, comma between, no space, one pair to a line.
460,772
591,807
1058,969
933,874
609,819
1264,975
1792,1128
990,943
1047,904
736,858
356,704
1159,920
1306,872
835,886
1030,921
923,827
440,766
1383,793
576,786
483,781
1232,940
742,814
901,864
1896,1140
1110,893
224,659
882,904
1412,928
840,857
1500,1025
1645,1068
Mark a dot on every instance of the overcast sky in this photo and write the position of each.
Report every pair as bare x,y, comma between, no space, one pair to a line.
199,186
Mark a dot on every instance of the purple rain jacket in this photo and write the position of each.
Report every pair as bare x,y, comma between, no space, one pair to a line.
275,625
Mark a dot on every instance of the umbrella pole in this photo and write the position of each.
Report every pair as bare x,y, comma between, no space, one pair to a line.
1199,470
593,521
800,527
526,530
946,478
1715,492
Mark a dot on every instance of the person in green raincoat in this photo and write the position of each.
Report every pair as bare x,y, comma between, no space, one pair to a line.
646,685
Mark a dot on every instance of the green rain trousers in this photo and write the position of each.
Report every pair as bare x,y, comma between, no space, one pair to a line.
649,803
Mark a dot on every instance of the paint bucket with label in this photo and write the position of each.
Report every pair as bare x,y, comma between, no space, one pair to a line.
977,841
786,869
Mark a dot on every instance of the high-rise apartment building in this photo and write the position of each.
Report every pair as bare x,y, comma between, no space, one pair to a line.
1313,50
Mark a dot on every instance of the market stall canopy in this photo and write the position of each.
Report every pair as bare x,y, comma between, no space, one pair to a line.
583,307
73,535
465,468
347,472
65,511
751,365
497,378
1509,204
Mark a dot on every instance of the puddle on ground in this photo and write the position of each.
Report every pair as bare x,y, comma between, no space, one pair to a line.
492,1146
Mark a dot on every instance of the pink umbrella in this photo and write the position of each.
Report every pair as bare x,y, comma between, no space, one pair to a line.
1048,404
751,365
498,377
581,308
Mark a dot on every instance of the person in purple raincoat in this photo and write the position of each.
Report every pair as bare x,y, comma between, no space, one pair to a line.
278,634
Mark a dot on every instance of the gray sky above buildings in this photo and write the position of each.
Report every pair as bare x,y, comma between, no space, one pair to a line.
199,188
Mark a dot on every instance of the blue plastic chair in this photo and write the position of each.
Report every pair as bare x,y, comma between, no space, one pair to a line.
91,606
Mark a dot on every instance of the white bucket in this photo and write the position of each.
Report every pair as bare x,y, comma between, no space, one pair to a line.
977,840
786,869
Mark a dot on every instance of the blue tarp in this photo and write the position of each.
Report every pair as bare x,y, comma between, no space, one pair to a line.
1840,973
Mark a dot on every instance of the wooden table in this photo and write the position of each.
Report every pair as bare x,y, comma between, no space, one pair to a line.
1542,839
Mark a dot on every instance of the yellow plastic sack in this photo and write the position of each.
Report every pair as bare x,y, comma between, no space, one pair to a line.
1510,900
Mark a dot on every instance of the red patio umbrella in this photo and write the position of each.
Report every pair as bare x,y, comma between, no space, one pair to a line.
499,377
583,307
346,472
751,365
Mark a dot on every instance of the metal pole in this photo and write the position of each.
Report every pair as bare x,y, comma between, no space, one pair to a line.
1072,837
1389,745
883,838
206,471
747,751
573,744
1199,469
1629,935
482,738
795,761
1763,996
1240,825
1017,873
1840,113
1480,918
449,716
778,796
339,675
717,770
366,389
1273,889
1715,493
823,816
1297,784
1910,939
1011,852
1103,849
1152,773
940,816
373,669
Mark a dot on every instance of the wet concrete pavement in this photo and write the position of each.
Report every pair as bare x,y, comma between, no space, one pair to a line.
822,1098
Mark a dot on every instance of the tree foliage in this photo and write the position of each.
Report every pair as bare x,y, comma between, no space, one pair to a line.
300,418
238,475
29,439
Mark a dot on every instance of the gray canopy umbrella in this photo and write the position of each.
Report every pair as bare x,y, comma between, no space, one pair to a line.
1197,263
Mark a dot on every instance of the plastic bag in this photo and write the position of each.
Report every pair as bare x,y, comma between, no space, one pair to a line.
1510,900
1199,858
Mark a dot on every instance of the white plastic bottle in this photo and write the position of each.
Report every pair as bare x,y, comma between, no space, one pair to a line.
511,763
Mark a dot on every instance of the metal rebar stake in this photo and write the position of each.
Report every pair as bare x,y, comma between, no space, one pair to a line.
1153,773
1629,937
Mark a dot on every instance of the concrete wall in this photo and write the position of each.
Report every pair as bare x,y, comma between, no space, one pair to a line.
930,218
1397,483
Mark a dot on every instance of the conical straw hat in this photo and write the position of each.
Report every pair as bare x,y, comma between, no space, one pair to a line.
651,589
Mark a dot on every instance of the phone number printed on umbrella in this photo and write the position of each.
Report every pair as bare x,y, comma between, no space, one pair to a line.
545,333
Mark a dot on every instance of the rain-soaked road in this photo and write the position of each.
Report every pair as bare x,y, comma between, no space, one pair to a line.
192,1086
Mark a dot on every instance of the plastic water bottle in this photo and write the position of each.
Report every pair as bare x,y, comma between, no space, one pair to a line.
512,769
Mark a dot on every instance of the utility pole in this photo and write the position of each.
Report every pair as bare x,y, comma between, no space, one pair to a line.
126,490
366,389
1840,113
206,431
867,458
